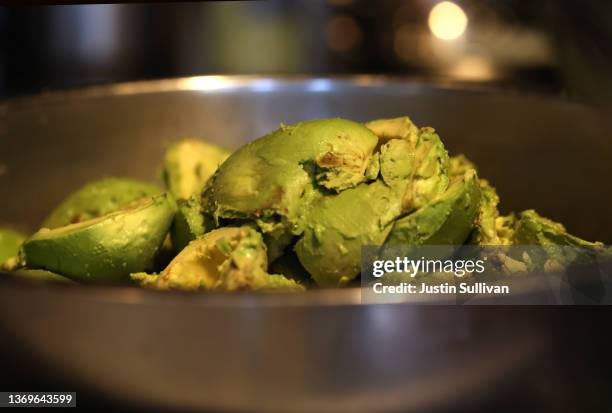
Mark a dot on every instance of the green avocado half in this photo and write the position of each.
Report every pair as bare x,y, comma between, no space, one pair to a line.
446,220
225,259
96,199
271,180
103,249
9,243
188,165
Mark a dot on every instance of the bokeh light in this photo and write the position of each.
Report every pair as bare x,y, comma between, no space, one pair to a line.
473,69
342,33
447,21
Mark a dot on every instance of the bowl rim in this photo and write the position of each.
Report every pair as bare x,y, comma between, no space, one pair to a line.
227,83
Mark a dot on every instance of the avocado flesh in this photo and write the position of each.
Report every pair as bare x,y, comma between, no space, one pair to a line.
274,177
225,259
188,223
548,246
534,229
328,176
103,249
96,199
459,165
415,158
9,243
491,228
529,229
338,226
430,175
505,226
336,185
412,166
394,128
487,231
188,164
446,220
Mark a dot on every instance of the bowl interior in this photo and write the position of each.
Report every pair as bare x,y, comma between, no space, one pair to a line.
540,153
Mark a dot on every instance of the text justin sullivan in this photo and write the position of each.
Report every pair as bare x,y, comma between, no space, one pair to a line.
445,288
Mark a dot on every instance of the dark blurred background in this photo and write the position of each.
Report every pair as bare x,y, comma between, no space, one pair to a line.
551,46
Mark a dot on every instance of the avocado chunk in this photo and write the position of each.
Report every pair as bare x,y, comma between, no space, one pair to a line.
505,226
188,223
558,249
418,161
430,174
338,226
9,243
534,229
489,222
459,165
188,165
273,179
225,259
446,220
103,249
394,128
96,199
491,228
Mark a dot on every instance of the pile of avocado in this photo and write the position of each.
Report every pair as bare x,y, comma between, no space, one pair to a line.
287,211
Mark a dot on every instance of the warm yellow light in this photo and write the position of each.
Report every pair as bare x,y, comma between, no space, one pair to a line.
447,21
472,68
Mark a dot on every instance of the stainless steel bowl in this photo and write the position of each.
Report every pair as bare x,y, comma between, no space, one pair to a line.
318,351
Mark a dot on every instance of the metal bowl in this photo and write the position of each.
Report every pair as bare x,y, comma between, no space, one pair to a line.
318,351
